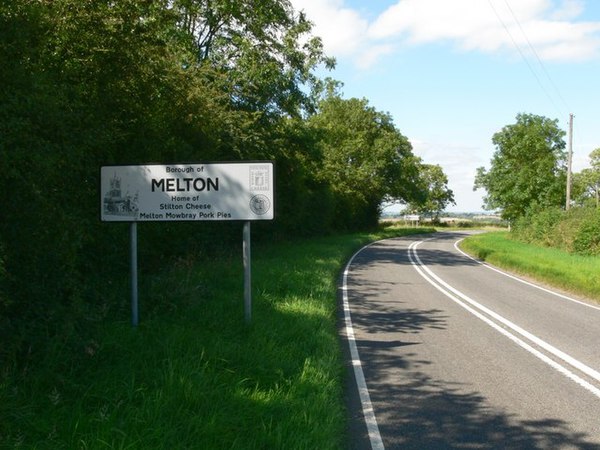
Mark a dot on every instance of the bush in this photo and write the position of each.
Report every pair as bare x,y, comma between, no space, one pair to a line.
587,237
91,84
574,231
538,226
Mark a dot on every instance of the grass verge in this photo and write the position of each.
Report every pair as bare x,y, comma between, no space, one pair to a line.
574,273
193,375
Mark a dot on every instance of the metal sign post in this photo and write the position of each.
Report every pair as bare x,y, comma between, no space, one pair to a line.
134,275
247,273
221,191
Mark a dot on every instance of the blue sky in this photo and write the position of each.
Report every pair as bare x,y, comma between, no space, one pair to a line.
453,72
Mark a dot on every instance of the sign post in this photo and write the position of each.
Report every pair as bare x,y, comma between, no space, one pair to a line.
413,218
241,191
134,275
247,273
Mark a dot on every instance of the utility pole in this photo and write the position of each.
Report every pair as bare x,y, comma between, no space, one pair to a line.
569,162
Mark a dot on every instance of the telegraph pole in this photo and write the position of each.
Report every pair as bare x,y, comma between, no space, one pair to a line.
569,162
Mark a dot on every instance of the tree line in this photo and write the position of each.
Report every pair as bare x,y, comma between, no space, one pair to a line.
527,181
92,83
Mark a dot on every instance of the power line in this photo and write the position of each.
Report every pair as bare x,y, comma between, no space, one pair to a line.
539,60
524,57
537,56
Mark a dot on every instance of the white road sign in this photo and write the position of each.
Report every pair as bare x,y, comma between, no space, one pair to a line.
187,192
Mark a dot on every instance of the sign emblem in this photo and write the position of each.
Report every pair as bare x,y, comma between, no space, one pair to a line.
260,204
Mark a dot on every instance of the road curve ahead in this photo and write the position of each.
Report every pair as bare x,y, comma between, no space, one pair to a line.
446,352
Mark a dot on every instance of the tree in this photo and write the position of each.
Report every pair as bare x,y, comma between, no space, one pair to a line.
264,48
106,82
438,195
528,167
587,182
365,159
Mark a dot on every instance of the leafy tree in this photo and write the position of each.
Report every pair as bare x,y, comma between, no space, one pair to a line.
527,169
587,182
365,159
264,48
595,160
84,84
98,82
438,195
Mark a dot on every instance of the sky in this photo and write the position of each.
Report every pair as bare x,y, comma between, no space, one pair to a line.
452,73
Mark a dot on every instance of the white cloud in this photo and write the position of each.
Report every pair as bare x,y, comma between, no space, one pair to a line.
470,25
422,21
368,57
342,29
570,9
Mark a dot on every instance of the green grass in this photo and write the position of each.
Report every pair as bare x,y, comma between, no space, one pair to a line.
574,273
193,375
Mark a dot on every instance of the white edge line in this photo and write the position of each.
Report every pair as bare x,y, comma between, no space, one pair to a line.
556,352
421,269
363,391
557,294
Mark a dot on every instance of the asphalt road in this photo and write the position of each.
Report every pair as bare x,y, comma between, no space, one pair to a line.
455,354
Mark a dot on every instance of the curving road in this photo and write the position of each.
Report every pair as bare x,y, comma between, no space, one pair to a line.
447,352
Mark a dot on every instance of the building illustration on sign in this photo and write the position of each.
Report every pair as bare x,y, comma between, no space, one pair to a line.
116,204
259,181
259,178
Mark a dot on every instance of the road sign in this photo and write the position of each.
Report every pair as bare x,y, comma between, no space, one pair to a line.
188,192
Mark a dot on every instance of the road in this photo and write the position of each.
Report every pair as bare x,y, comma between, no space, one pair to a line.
446,352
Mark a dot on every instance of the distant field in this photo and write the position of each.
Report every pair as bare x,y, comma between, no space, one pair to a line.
487,222
574,273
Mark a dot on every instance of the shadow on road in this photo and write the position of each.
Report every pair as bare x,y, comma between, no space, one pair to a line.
382,253
414,410
419,412
395,320
433,414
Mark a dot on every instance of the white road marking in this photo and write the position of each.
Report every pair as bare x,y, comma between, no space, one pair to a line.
454,295
363,391
557,294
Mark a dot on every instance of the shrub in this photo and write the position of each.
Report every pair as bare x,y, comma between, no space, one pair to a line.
538,226
574,231
587,237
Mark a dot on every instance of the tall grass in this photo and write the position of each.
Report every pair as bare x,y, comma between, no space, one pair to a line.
575,273
193,375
